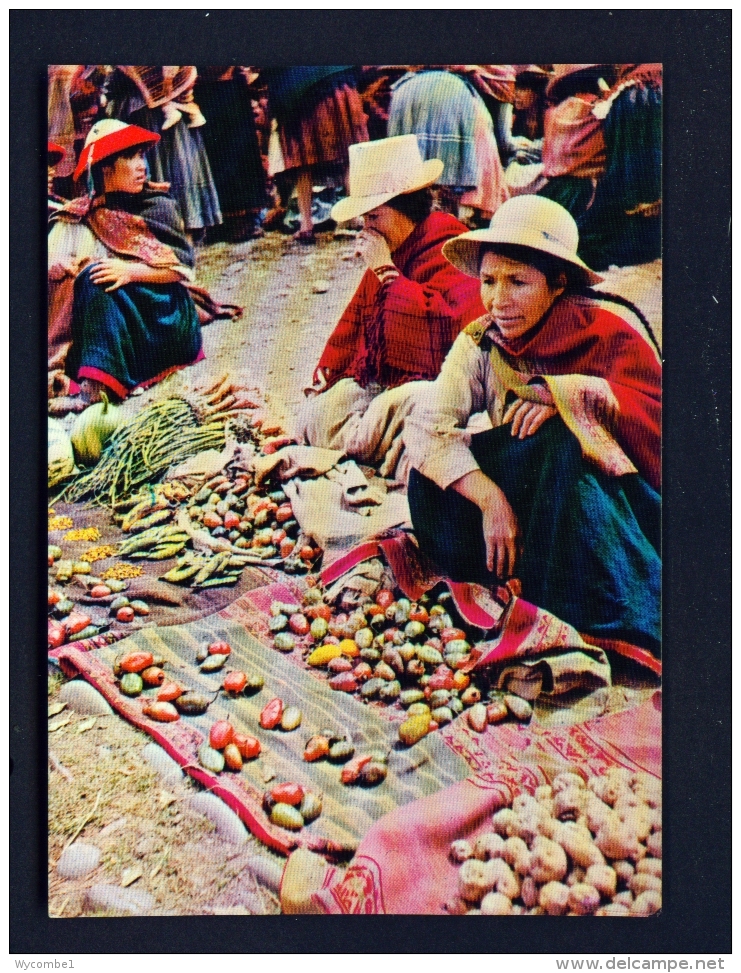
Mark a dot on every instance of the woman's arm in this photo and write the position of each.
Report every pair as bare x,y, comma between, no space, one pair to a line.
119,273
435,432
500,527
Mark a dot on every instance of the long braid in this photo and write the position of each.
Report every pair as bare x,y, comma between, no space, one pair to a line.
594,294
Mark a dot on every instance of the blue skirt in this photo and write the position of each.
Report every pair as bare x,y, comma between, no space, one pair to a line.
132,335
590,542
438,107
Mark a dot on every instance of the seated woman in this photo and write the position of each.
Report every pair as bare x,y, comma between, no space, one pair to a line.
407,311
126,252
562,492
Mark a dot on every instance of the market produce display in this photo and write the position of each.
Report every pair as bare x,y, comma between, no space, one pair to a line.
397,653
142,449
576,847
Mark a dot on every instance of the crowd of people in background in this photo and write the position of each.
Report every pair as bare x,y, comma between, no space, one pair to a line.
247,149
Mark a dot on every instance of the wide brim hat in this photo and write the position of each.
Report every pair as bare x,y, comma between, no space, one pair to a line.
54,152
524,221
381,170
108,137
562,71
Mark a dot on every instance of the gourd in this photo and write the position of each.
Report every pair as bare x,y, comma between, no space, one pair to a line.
60,458
92,430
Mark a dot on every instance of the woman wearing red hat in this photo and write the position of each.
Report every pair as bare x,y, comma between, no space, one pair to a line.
125,257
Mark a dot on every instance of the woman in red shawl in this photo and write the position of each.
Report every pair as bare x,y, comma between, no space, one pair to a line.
562,492
405,315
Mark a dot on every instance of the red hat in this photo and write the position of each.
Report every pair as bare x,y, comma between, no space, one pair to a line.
55,153
108,137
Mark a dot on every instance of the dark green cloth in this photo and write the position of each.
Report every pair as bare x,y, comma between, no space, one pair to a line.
590,541
608,235
132,334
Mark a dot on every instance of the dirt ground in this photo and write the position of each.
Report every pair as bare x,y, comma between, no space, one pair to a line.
292,297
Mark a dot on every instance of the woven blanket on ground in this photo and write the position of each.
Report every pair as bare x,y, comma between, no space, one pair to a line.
348,812
402,865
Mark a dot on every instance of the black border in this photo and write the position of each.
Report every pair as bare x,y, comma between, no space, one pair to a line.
694,46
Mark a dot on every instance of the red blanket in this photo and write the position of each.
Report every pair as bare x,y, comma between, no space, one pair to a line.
403,330
574,143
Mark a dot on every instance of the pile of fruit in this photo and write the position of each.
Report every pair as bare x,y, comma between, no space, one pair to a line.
575,847
396,652
141,674
65,623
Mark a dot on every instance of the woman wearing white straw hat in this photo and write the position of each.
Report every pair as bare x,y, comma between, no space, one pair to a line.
407,311
562,492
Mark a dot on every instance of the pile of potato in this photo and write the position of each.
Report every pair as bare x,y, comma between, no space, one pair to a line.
397,652
573,848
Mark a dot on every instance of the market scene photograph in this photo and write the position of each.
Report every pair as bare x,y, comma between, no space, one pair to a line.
354,489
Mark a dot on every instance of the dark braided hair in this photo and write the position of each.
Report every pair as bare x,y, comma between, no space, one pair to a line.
596,295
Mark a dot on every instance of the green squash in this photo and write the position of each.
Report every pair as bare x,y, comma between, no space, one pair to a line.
92,430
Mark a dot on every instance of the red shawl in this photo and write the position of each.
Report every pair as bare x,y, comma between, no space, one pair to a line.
402,330
574,143
580,337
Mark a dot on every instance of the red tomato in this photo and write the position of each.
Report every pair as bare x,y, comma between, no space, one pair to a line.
136,661
375,610
219,648
319,611
362,671
169,691
384,598
234,682
56,634
212,520
231,520
271,715
316,749
75,622
451,634
286,547
125,614
100,591
344,682
291,794
351,771
418,613
232,757
161,711
54,597
153,676
284,513
248,746
220,734
442,678
278,537
299,624
307,553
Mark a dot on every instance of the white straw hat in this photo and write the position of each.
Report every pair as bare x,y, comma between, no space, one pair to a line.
525,221
381,170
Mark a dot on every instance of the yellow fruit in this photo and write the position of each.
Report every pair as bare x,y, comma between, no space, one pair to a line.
324,654
348,647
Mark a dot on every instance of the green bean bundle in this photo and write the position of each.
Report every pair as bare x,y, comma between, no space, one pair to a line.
142,449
